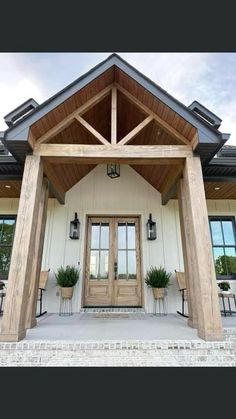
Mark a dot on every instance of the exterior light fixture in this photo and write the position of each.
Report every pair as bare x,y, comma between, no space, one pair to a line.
151,229
8,186
217,188
75,228
113,170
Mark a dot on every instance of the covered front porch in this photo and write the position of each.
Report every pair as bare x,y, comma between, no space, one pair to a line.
113,120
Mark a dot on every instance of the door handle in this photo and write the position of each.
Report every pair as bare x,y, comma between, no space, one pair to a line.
115,269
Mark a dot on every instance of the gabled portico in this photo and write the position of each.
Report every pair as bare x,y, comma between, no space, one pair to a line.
113,114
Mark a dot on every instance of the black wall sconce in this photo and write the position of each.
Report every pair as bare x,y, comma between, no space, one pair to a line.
75,228
151,229
113,170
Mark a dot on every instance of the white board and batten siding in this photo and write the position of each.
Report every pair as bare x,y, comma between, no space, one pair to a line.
97,194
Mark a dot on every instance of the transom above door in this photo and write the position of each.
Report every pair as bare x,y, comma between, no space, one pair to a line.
112,275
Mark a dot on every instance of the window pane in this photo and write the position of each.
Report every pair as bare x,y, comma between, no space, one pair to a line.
5,255
121,236
7,231
95,236
228,232
1,225
104,264
131,236
220,261
94,264
105,236
217,237
122,264
132,264
230,260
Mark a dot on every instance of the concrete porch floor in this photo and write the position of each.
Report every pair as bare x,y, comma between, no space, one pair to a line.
127,326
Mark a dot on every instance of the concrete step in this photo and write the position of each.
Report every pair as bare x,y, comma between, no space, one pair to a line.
118,353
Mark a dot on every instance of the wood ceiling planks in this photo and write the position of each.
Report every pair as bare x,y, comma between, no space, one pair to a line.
153,174
13,191
227,190
99,117
72,103
153,103
69,174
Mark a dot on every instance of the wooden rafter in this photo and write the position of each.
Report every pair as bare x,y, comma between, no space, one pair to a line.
92,130
69,119
164,125
132,134
54,185
114,116
170,183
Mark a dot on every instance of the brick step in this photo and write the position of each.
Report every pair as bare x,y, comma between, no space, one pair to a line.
118,353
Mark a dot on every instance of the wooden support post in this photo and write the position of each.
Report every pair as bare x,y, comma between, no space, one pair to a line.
188,254
114,116
37,258
200,264
14,317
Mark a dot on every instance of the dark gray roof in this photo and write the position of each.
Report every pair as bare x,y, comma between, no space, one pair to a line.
210,138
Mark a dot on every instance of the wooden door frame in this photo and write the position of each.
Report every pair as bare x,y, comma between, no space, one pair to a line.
115,215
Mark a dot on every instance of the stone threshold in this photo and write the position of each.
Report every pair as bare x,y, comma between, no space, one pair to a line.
112,310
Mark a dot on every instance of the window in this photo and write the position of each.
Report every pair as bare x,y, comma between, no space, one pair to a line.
7,229
224,245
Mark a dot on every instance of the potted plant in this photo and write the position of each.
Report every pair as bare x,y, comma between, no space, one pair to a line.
157,279
224,286
66,279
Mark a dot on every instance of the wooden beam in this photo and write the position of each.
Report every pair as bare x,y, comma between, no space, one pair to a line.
58,195
69,119
37,258
201,270
195,140
114,116
14,317
92,130
132,134
96,154
164,125
54,183
169,184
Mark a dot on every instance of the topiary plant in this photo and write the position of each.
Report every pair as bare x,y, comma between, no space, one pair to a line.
157,277
68,276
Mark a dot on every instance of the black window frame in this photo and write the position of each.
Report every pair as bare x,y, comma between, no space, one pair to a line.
9,217
223,218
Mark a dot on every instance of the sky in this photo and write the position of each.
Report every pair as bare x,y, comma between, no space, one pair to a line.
209,78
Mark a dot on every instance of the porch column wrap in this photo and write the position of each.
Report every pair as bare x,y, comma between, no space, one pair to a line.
201,270
14,317
37,258
188,254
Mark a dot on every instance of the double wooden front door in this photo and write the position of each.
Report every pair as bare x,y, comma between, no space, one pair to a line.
112,275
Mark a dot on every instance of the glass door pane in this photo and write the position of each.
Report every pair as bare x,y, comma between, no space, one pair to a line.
99,251
126,250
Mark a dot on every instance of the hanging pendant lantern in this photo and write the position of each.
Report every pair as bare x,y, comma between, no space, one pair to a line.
151,229
113,170
75,228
